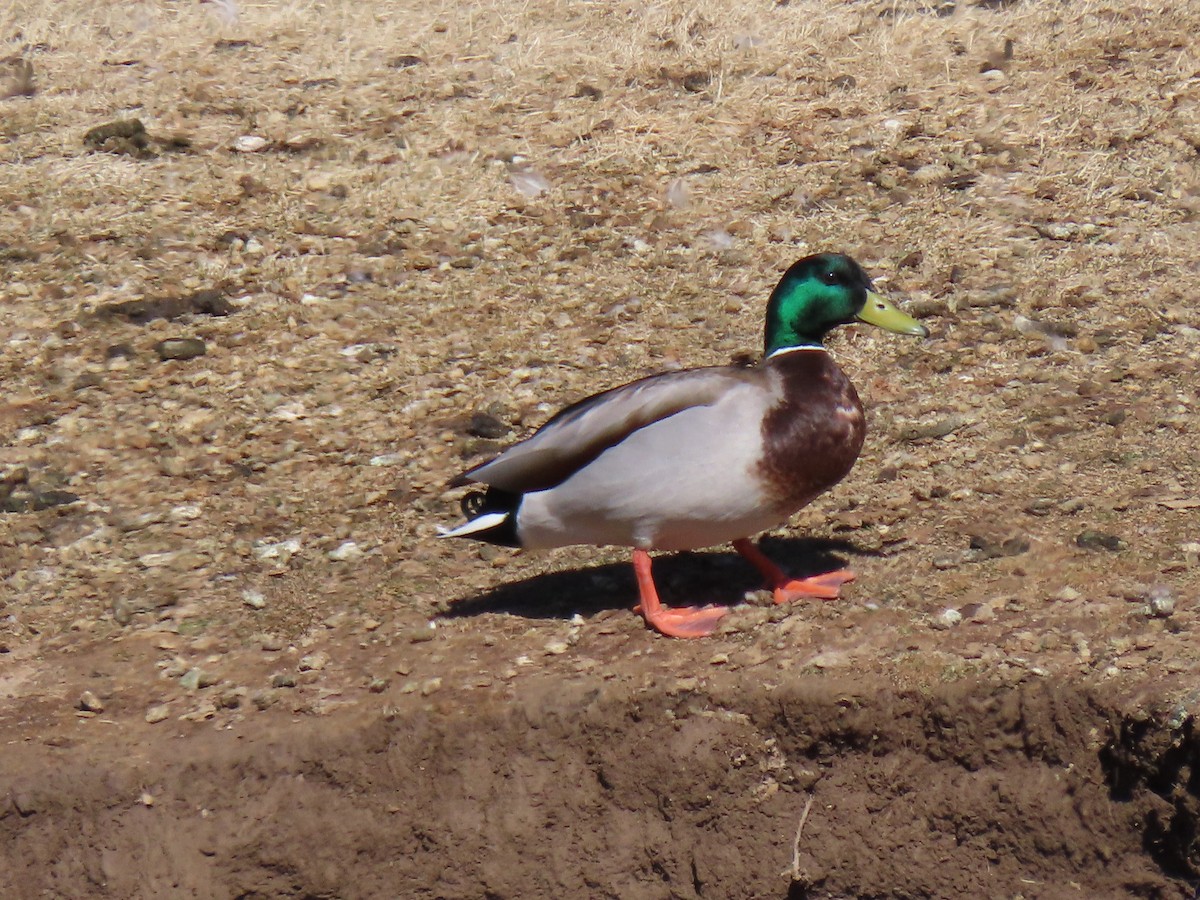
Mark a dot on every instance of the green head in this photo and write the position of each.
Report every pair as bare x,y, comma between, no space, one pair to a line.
821,292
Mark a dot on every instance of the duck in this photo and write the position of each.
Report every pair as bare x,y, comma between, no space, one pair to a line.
697,457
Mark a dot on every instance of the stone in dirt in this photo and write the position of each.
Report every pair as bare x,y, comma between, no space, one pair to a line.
180,348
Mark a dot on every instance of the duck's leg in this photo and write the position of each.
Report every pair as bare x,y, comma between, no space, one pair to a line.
680,622
825,586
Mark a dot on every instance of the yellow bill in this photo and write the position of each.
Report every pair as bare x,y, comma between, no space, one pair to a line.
879,311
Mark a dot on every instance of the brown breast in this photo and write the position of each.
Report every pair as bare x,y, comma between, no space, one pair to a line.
814,434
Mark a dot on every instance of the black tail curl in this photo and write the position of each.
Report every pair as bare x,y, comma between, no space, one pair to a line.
494,500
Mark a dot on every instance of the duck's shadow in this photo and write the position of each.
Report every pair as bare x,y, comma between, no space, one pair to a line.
683,579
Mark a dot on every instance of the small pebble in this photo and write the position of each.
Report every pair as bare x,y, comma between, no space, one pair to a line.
947,618
1160,603
430,686
180,348
89,702
254,599
250,143
1090,539
283,680
156,714
377,685
280,550
422,633
556,648
314,662
346,551
1042,506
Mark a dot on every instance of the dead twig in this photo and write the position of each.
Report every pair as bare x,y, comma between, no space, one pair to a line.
794,872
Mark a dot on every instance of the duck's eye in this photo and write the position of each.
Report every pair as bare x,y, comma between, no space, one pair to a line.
830,277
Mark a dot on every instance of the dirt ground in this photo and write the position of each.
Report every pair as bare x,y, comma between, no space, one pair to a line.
354,246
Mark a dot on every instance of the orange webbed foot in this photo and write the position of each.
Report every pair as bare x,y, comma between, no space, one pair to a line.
685,621
673,621
825,586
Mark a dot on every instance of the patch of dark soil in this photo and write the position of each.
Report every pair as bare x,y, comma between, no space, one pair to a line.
572,789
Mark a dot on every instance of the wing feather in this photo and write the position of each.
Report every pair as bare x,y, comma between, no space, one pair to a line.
581,432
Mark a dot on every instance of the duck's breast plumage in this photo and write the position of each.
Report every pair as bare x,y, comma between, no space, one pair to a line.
813,437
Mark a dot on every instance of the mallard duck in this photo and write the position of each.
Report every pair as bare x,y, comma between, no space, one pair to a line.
698,457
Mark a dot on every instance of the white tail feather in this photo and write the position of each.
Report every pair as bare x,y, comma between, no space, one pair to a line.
483,523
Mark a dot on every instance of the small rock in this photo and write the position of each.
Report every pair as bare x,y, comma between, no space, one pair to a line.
1090,539
89,702
377,685
992,545
405,61
583,90
158,713
280,550
1160,603
250,143
1042,506
388,459
422,633
196,678
947,618
254,599
939,429
180,348
1067,595
283,680
121,136
529,182
264,699
346,551
430,686
21,498
557,648
314,662
485,425
1191,553
1114,417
